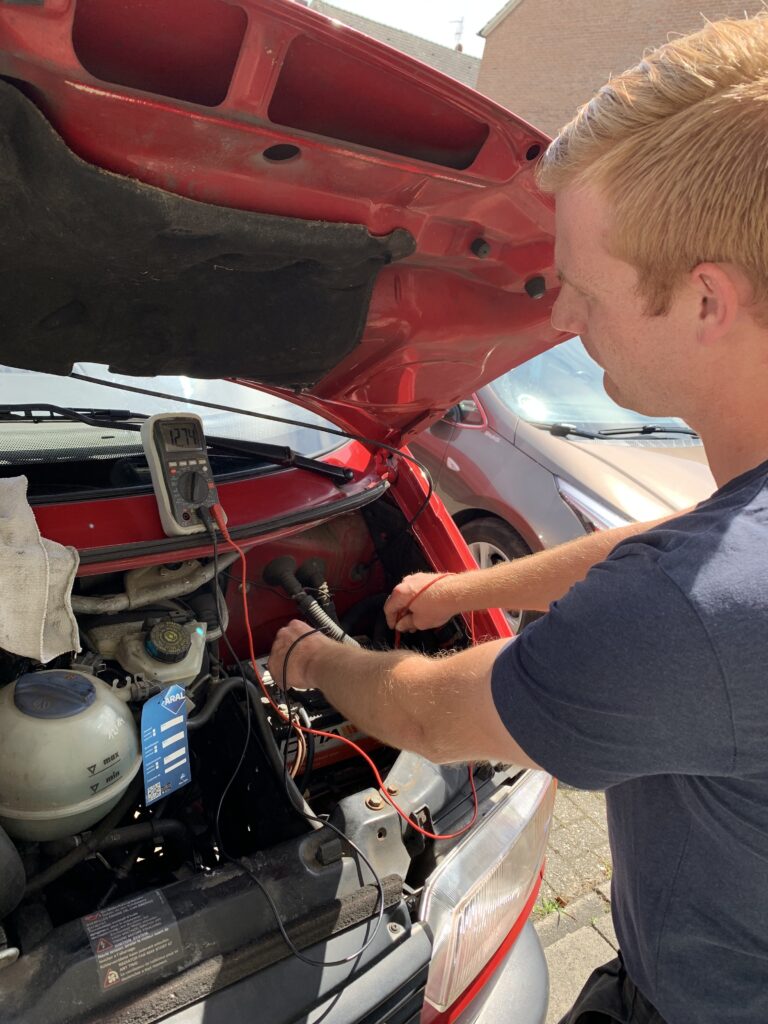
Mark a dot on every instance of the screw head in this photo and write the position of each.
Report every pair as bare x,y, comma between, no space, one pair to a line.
374,802
393,790
481,248
394,927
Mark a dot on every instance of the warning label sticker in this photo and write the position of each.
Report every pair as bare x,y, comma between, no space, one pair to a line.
133,938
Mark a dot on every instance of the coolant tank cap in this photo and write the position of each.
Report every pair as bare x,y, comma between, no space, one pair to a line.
168,642
53,694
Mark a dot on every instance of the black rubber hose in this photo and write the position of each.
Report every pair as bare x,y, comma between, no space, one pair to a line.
140,832
217,695
91,844
281,572
12,877
311,573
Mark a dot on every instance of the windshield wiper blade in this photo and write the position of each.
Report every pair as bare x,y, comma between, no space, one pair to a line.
41,412
279,455
646,428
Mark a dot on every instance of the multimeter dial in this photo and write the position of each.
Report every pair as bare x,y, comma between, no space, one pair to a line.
181,474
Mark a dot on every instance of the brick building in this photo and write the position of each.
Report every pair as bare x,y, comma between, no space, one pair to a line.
544,58
458,65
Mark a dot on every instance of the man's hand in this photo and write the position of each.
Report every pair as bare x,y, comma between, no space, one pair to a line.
432,608
299,664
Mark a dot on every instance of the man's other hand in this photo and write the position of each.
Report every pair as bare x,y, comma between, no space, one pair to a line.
407,612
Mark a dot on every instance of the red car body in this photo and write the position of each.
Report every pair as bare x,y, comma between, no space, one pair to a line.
264,107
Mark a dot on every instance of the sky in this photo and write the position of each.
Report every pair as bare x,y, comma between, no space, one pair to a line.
431,18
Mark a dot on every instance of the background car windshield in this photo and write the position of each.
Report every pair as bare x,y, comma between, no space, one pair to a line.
565,385
27,387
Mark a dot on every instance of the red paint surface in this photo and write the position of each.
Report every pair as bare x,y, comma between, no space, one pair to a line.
178,93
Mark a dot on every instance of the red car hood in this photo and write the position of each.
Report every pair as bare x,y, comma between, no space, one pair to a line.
247,189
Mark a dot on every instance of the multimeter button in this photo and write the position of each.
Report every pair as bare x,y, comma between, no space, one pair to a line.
183,463
204,469
173,463
174,472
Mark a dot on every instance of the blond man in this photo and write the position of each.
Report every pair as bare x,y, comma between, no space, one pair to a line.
647,677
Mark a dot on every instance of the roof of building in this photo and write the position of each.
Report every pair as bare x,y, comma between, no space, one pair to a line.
460,66
497,19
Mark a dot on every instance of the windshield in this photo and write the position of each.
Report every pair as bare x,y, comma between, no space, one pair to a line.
565,385
27,387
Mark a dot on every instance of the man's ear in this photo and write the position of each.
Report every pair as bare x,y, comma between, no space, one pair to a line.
720,292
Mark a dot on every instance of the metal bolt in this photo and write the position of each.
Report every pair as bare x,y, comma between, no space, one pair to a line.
481,248
374,802
394,927
392,789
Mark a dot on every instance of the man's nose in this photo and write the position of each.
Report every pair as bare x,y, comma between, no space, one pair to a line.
566,315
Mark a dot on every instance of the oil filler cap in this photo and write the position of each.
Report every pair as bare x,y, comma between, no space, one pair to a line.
168,642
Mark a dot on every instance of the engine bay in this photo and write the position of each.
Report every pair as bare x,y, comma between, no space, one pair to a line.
246,811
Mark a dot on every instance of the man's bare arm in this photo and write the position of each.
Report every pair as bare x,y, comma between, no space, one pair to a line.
441,708
533,582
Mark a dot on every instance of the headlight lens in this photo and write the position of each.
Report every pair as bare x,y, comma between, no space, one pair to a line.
472,901
591,513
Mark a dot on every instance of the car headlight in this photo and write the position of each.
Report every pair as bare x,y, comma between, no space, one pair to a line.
591,513
474,900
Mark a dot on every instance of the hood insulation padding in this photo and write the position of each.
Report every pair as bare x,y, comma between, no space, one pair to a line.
95,267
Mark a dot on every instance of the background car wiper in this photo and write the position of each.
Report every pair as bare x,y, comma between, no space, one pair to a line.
646,428
278,455
569,430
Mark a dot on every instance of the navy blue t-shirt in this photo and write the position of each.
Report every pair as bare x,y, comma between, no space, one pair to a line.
649,679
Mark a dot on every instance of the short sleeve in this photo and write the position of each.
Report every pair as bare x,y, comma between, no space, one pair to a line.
618,680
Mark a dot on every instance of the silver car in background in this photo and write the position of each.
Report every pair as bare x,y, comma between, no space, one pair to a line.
543,455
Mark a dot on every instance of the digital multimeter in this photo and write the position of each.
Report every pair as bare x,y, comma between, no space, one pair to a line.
174,444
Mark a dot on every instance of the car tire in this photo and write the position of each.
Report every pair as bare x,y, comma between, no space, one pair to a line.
492,541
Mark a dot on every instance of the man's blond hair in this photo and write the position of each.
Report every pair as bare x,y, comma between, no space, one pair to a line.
679,147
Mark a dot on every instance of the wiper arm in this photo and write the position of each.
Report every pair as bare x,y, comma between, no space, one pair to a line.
567,430
281,455
278,455
646,428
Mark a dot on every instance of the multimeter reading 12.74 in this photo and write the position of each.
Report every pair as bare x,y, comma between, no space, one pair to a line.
177,455
180,436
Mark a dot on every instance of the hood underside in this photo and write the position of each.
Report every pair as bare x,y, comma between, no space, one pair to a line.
246,190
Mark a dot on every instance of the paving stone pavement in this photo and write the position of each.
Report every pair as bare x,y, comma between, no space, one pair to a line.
572,915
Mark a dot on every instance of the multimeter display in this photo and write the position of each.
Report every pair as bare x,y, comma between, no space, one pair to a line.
181,474
181,437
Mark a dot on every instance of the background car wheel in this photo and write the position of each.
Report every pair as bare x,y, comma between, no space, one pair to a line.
491,541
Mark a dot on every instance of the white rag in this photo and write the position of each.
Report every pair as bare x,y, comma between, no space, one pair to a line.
36,577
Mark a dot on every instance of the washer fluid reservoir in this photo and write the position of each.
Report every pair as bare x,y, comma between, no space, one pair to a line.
69,748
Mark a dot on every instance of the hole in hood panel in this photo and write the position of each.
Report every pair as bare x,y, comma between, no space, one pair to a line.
354,101
184,49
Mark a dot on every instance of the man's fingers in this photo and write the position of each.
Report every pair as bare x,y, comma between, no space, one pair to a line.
405,624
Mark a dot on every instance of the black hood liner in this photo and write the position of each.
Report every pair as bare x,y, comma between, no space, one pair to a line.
95,267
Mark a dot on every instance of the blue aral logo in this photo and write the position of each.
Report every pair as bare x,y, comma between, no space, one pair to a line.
173,699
